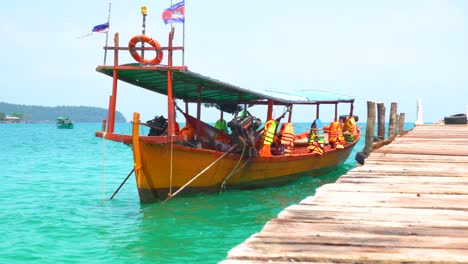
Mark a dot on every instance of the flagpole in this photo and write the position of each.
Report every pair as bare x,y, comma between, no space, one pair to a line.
183,38
107,32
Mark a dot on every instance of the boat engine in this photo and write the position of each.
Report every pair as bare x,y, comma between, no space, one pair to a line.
158,126
243,130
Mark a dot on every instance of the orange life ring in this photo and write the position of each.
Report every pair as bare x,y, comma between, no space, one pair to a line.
152,42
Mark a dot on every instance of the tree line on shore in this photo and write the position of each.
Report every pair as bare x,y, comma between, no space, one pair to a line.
37,114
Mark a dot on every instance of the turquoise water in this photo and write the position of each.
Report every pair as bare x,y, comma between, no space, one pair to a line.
54,207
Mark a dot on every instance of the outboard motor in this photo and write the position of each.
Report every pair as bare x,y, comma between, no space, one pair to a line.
243,130
158,126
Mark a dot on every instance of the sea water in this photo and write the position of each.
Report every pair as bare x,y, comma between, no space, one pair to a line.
55,186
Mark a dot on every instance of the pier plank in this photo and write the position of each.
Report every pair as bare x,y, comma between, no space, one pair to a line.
407,204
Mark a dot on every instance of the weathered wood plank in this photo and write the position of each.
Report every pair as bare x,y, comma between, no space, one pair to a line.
398,157
403,179
383,219
394,188
408,173
401,200
293,226
256,250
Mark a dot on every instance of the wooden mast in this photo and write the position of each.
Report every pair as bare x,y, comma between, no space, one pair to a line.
113,98
170,96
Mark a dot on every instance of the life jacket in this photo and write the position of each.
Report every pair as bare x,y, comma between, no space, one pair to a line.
316,132
315,148
268,138
350,129
187,130
221,125
269,132
287,134
350,126
335,137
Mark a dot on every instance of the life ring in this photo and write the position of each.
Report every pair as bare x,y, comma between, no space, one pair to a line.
152,42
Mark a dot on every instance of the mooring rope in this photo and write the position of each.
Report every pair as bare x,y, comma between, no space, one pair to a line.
170,173
170,196
104,166
234,170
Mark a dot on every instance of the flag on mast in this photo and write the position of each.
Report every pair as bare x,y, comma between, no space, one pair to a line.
175,13
101,28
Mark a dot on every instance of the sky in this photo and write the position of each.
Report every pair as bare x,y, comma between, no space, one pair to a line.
381,51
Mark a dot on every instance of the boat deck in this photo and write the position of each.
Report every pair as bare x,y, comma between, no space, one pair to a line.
408,203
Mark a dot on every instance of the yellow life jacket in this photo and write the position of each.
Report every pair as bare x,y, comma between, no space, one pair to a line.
269,132
315,148
316,132
268,138
350,126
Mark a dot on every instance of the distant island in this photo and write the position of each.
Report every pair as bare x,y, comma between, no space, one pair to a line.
45,114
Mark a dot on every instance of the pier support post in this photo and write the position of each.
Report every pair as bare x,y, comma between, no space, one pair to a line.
401,123
392,121
380,121
370,127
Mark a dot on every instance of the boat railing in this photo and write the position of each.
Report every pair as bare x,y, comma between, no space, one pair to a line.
151,66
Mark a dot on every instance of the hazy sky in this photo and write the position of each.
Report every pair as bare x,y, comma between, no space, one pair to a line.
388,51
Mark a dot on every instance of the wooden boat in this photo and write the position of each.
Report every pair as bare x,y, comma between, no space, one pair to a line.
64,122
204,158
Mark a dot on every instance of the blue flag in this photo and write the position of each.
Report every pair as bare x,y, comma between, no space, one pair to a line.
101,28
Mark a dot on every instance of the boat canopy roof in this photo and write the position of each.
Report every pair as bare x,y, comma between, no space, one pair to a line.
186,85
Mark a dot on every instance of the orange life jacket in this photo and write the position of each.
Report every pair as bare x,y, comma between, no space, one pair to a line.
287,134
187,130
336,135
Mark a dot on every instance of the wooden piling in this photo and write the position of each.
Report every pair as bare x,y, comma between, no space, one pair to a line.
370,127
401,123
392,121
381,121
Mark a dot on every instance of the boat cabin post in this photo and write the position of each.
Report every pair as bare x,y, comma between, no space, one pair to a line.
290,113
317,111
270,110
113,97
197,133
336,112
186,111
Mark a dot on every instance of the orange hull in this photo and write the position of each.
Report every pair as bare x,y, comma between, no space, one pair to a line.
164,170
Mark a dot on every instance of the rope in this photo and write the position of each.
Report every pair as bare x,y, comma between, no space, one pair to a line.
104,167
234,170
170,196
170,173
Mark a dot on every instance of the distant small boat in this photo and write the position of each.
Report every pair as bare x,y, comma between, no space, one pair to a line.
458,119
64,122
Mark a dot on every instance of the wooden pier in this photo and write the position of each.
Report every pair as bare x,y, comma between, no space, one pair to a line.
407,204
